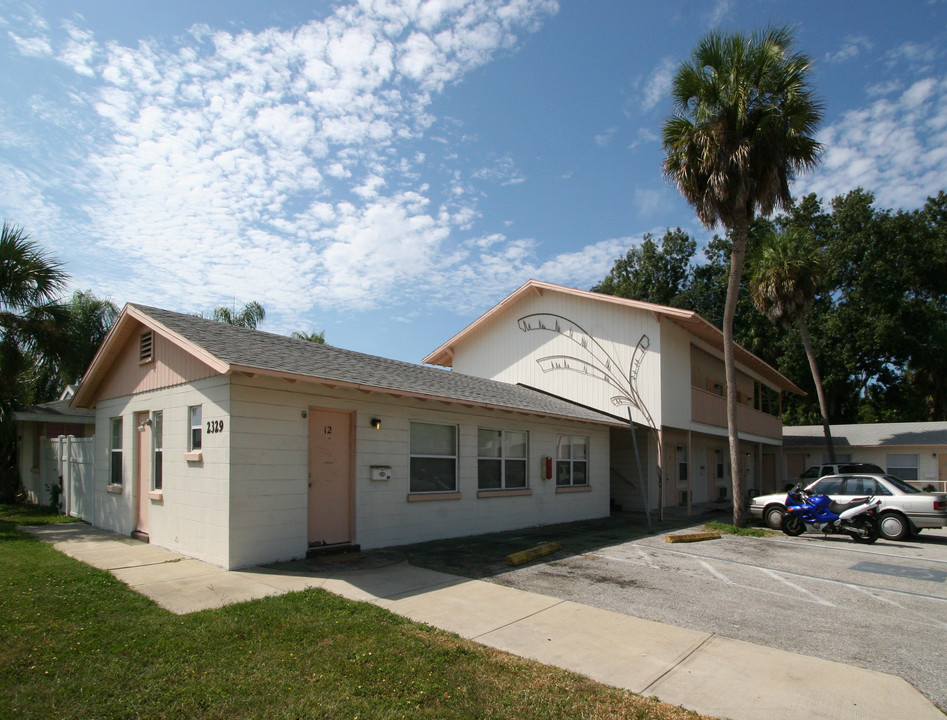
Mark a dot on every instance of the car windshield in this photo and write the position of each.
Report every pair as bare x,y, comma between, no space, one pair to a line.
901,485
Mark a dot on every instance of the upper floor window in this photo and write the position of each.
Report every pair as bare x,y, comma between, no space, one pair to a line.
433,455
572,460
501,459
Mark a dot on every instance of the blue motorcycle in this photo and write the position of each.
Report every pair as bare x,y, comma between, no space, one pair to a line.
857,519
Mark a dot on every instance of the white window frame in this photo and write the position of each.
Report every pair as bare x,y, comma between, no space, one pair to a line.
505,459
195,429
897,463
682,467
116,453
421,457
566,462
157,450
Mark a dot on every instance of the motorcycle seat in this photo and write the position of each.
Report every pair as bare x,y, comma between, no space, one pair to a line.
838,508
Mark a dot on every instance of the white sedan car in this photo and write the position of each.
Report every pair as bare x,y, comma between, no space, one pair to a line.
904,509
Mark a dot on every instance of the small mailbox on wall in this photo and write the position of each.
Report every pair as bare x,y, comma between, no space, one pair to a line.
381,472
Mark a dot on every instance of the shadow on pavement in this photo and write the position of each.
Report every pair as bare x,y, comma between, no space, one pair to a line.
482,556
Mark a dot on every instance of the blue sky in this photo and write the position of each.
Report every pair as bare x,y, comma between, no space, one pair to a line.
388,171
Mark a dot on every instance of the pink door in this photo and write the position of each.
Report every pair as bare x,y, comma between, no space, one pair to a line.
330,476
142,470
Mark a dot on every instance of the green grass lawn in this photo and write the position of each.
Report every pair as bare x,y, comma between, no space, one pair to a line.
77,643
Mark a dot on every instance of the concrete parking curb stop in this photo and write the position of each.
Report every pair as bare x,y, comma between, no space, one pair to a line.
707,673
692,537
524,556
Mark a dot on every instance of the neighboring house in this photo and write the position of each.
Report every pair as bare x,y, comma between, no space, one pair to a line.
37,429
915,452
662,366
240,447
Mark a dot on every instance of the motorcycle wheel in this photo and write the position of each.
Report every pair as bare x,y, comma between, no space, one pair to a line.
870,528
792,525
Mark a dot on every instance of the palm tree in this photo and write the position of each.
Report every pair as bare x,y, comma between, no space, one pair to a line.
30,321
314,337
90,319
249,316
742,127
786,274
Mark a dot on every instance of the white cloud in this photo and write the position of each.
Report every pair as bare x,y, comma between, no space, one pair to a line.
503,171
657,89
211,174
852,47
894,147
79,51
718,12
603,139
32,46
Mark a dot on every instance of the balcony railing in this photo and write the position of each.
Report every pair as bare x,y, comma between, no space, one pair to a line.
711,409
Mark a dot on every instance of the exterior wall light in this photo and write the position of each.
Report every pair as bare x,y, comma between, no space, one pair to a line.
376,423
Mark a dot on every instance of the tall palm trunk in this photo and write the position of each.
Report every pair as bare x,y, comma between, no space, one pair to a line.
737,258
820,391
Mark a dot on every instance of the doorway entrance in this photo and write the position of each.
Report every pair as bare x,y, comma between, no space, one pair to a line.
331,482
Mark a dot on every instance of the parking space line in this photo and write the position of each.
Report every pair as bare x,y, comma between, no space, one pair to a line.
894,591
926,618
815,598
719,575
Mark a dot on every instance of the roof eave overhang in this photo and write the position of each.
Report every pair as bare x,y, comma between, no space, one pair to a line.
423,397
686,319
129,319
23,416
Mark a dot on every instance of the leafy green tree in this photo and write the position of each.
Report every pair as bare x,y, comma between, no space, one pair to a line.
743,125
249,316
30,281
656,272
786,274
315,337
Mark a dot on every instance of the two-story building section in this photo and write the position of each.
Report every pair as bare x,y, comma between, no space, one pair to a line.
660,367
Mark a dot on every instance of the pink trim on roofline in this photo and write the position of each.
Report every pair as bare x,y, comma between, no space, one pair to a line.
687,319
130,319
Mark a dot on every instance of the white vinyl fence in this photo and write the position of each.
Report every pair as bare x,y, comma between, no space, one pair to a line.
67,460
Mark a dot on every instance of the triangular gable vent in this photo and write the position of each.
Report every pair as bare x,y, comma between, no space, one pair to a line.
146,346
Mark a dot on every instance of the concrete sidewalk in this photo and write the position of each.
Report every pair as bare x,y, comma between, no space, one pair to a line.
703,672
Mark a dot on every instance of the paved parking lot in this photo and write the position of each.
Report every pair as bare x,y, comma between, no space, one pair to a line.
881,607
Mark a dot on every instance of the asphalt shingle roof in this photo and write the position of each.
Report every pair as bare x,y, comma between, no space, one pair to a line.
254,349
868,434
55,411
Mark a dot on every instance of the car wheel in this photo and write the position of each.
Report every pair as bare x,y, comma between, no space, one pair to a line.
773,516
894,526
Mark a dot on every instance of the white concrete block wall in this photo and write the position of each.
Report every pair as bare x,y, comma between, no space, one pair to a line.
927,457
269,511
192,516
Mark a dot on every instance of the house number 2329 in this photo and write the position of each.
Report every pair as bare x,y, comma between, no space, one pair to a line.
215,426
